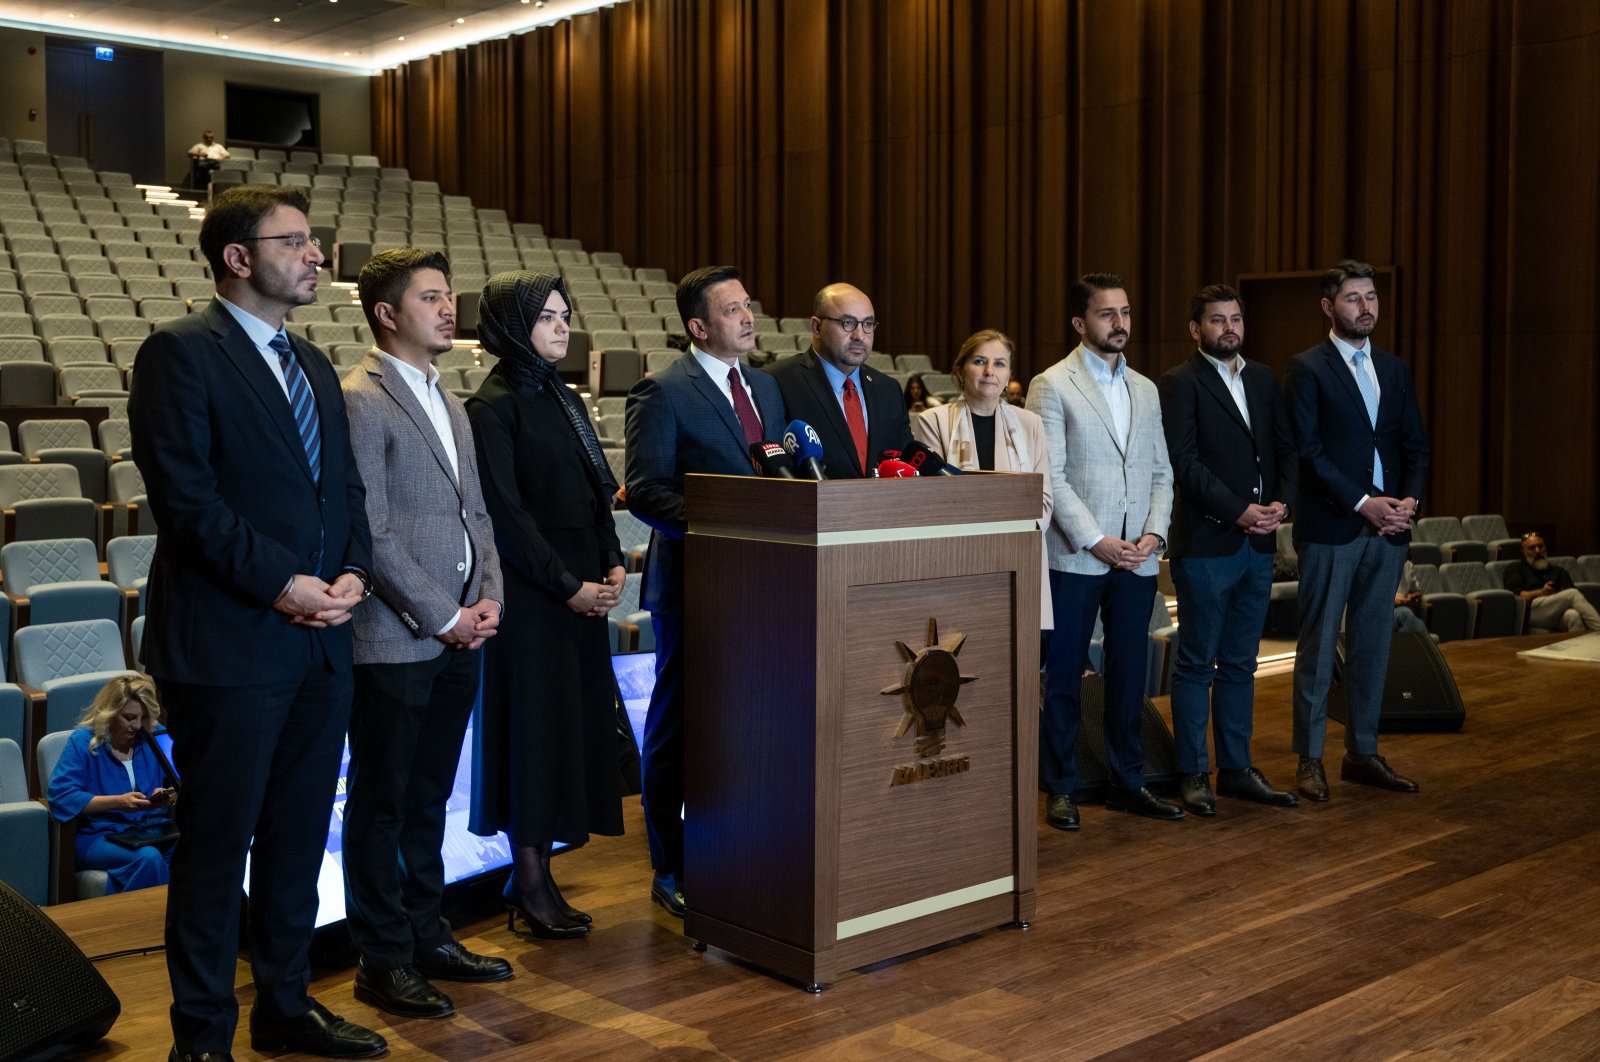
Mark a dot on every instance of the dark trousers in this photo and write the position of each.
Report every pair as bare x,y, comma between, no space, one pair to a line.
1352,582
1122,600
406,729
1222,606
262,762
662,756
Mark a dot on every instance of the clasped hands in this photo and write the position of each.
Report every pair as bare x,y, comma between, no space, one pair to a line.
1262,519
475,624
1391,516
1119,553
596,599
310,602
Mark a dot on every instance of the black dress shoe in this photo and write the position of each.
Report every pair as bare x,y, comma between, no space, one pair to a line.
316,1032
1251,784
1195,790
1309,779
452,962
198,1056
1060,811
401,991
667,890
1141,802
1376,772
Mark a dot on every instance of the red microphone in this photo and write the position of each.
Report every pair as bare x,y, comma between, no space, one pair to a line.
895,469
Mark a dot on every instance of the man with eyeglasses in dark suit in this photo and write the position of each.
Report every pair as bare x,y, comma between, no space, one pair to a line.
858,411
262,551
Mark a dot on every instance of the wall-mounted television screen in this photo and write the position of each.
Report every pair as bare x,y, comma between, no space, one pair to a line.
269,117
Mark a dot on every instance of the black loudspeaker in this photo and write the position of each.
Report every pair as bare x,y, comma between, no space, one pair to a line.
1094,768
49,993
1419,693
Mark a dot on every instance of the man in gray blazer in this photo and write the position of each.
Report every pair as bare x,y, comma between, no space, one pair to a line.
1113,495
436,577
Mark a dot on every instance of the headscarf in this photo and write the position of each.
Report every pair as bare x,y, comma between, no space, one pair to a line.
507,311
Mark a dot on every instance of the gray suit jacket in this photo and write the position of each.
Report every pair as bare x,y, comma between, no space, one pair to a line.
1098,488
418,513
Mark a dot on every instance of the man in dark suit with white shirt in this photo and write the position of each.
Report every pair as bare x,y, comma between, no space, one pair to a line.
858,411
262,550
1363,466
700,414
438,596
1234,467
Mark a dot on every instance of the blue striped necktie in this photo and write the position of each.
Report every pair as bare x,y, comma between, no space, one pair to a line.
1369,395
301,404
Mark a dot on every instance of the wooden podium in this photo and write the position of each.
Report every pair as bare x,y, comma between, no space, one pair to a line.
825,829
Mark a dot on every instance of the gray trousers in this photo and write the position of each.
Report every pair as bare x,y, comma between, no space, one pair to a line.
1353,582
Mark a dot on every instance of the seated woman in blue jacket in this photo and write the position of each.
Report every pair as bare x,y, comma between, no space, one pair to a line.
110,781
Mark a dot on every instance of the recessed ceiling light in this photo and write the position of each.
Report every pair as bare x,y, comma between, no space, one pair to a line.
224,36
459,21
275,18
347,53
401,38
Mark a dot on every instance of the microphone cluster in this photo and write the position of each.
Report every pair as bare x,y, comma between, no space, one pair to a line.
800,456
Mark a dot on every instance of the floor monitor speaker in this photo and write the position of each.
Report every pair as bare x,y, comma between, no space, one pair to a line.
50,994
1094,767
1419,693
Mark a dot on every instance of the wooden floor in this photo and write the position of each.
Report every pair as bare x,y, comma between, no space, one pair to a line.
1459,923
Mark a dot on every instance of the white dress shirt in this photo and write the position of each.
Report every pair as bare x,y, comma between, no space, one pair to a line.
261,334
1113,384
1232,373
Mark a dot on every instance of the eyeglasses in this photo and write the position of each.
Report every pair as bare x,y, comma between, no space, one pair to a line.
868,325
295,241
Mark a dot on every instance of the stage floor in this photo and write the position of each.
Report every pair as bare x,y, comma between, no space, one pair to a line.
1459,923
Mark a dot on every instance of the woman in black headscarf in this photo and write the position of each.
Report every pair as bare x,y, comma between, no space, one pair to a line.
547,737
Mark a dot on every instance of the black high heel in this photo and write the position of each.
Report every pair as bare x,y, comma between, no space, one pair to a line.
571,931
569,912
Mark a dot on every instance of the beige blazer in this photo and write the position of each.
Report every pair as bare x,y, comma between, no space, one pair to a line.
1018,447
1099,487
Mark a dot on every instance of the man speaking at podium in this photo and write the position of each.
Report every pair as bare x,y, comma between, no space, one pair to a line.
859,413
700,414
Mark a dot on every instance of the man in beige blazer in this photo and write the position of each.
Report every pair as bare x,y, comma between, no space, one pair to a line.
436,583
1112,489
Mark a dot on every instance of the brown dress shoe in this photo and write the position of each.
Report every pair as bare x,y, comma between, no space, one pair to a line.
1310,780
1376,772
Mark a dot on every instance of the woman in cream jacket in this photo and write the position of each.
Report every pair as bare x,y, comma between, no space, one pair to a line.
981,431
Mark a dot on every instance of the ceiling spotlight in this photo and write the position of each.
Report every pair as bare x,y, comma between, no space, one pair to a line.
224,36
347,53
275,18
460,21
400,38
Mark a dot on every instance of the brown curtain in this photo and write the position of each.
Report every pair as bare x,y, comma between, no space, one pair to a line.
962,160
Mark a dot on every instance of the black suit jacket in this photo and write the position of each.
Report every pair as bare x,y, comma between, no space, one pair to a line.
678,422
809,397
1219,464
1336,439
236,510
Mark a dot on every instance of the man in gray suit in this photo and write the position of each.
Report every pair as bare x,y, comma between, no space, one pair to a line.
1113,494
437,582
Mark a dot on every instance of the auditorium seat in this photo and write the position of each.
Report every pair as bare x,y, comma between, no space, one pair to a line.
76,350
56,581
1490,529
129,502
24,829
1447,614
66,881
1497,612
128,567
69,662
116,441
1447,533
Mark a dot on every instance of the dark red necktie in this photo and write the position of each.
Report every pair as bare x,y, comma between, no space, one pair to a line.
742,407
857,421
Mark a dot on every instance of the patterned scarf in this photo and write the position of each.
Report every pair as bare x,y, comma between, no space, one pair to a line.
507,312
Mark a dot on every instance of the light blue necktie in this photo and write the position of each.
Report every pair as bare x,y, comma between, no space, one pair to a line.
301,404
1369,395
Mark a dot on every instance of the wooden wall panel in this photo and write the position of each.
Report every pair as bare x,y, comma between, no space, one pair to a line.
962,160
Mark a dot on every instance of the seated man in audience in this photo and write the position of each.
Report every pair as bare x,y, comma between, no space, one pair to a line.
1408,602
1554,603
206,155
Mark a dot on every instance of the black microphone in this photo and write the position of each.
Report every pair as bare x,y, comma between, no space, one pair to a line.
804,446
771,460
928,462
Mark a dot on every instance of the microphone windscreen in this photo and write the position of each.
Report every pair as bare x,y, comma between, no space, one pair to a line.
894,469
802,441
928,462
771,460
